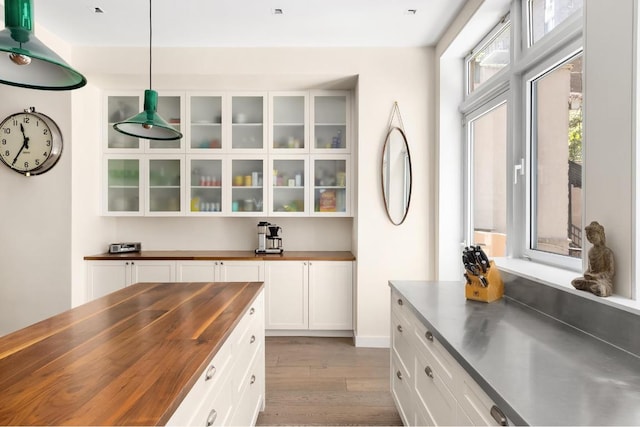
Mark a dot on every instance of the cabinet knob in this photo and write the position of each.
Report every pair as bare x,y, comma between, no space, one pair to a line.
212,417
221,262
400,302
429,336
126,263
210,373
304,263
253,339
399,375
253,379
498,415
400,328
132,263
429,371
252,310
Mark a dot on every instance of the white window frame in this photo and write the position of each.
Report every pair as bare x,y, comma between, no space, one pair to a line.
545,66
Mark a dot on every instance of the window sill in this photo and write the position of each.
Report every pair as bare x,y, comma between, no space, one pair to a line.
561,279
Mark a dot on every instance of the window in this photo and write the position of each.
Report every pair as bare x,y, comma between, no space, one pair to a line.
487,145
489,57
556,158
545,15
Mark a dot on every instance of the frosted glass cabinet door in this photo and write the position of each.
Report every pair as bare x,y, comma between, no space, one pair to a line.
170,108
119,108
207,178
330,115
288,187
123,178
247,190
289,131
248,114
330,179
205,124
165,185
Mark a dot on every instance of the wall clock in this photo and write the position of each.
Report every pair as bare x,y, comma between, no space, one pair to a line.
30,142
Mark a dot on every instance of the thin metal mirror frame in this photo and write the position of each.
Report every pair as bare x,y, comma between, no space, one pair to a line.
384,194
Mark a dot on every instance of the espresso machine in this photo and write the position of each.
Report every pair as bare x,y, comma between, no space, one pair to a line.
269,238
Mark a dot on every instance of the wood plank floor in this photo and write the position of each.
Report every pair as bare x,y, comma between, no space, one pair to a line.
326,381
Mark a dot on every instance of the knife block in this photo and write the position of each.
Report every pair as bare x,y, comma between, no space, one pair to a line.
492,292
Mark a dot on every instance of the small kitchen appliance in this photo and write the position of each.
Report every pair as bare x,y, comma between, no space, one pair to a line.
269,239
118,248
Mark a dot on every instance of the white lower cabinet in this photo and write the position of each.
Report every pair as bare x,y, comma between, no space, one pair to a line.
104,277
230,390
220,271
309,295
428,385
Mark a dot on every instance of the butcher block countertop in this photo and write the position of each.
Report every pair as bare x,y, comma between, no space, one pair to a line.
128,358
226,256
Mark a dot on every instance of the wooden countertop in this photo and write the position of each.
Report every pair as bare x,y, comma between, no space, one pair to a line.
128,358
226,255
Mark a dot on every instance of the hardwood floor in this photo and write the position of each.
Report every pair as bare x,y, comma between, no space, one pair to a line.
326,381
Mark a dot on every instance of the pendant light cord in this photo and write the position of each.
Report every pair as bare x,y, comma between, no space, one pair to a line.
150,36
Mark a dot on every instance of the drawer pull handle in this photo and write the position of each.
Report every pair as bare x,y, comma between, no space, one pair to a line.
253,339
429,336
498,415
399,375
253,379
400,302
429,371
212,417
210,373
400,328
253,310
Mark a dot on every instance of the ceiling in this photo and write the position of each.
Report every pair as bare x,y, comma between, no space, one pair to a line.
248,23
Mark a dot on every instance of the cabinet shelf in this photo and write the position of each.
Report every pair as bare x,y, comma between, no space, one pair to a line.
125,186
168,187
290,187
330,124
207,187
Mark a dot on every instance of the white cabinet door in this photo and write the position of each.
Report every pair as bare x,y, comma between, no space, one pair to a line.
153,271
197,271
331,295
286,284
104,277
241,271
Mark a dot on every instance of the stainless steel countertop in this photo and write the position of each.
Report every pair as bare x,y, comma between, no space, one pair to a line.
538,370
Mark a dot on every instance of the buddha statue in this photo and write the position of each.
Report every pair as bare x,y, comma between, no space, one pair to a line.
598,279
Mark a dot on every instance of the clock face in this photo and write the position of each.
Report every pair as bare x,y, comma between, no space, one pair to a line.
26,142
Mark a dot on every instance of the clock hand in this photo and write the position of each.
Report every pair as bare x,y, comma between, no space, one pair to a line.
25,144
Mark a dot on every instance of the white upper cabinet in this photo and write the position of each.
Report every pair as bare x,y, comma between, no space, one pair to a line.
330,115
289,124
248,122
206,113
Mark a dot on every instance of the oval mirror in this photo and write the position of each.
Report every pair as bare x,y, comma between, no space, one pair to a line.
396,175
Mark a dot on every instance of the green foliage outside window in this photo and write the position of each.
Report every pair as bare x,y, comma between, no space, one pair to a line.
575,135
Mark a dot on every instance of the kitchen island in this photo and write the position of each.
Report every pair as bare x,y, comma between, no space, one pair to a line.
137,356
502,362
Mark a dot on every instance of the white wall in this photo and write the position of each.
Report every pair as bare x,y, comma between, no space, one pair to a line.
35,218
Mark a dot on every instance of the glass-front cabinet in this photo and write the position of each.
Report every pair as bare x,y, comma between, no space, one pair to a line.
242,154
207,185
288,194
330,116
248,123
124,188
206,113
165,178
289,131
330,176
247,187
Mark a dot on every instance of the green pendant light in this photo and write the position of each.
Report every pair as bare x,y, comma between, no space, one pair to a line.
28,62
148,124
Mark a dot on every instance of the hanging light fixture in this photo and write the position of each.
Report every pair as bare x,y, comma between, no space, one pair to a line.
28,62
148,124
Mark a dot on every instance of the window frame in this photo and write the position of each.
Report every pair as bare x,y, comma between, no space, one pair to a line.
544,67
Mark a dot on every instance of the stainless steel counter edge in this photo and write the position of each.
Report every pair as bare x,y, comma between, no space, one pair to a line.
538,370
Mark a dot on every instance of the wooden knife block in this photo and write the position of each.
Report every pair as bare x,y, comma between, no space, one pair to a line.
494,291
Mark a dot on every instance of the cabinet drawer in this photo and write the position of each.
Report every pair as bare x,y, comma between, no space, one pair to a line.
400,308
401,346
251,392
249,340
216,407
212,377
432,393
433,349
475,403
401,387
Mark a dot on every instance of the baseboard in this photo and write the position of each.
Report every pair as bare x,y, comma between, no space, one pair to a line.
305,333
373,342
